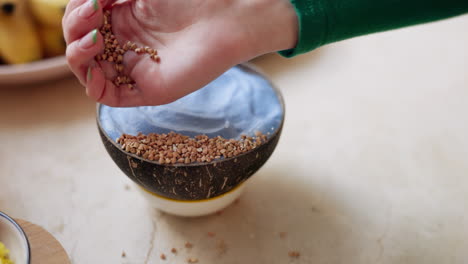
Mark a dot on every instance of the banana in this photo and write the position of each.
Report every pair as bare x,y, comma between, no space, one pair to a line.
48,12
19,41
52,39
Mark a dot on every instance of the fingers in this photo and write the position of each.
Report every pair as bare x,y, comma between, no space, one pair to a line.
96,83
72,4
81,20
80,23
102,90
81,53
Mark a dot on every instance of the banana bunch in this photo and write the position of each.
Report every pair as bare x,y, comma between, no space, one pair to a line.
31,30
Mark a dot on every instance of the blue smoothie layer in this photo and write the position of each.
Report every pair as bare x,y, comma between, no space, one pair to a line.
238,102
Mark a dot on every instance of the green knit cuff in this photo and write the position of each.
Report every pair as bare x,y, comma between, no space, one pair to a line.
312,22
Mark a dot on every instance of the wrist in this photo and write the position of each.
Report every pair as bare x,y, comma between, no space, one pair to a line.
285,31
274,26
314,25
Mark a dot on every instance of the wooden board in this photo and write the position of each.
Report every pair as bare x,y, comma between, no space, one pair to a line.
45,249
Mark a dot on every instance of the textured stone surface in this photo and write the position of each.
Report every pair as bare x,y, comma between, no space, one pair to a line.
371,167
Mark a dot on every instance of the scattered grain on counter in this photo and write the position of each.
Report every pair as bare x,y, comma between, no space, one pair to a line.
174,148
282,235
221,247
123,254
188,245
192,260
294,254
174,251
163,257
114,52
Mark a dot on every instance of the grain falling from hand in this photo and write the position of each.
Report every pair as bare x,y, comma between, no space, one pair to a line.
114,52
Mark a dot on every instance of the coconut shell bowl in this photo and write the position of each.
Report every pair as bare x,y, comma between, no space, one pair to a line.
242,101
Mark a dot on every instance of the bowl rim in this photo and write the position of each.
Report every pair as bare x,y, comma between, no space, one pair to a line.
22,234
246,66
53,62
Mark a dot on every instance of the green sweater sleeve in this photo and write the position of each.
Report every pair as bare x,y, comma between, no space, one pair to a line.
326,21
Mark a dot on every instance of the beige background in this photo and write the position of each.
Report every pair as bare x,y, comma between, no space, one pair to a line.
372,166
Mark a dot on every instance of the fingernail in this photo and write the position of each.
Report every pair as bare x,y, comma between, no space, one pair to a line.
89,75
94,33
89,8
95,4
89,40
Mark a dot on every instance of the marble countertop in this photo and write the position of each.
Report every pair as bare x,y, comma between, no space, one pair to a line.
372,166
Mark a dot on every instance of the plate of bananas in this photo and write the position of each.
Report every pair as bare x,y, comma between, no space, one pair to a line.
32,46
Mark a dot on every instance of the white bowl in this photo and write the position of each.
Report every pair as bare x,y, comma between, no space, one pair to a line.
193,208
38,71
14,238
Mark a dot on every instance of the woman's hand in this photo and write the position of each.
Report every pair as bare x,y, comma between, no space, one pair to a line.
197,40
